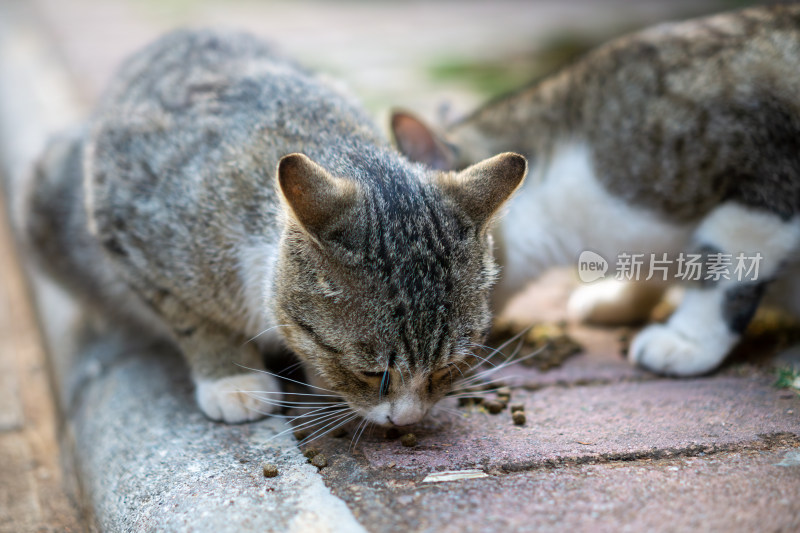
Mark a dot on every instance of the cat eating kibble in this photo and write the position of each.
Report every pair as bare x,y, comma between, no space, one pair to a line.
229,198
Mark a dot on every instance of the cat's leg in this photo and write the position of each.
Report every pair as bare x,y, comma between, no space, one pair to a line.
228,374
612,302
227,370
712,317
225,390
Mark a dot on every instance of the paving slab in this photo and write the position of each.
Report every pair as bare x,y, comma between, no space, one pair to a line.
752,490
575,425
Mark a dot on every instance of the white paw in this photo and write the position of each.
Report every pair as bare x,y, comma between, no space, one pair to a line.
612,302
236,398
665,350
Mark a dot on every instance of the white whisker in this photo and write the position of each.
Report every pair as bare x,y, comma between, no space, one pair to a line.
327,429
283,378
353,438
257,335
362,432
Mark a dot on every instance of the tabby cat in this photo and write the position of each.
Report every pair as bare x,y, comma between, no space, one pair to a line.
221,194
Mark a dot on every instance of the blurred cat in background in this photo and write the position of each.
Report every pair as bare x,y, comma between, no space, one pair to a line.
684,137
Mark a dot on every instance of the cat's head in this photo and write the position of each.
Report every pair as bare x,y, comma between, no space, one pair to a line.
383,283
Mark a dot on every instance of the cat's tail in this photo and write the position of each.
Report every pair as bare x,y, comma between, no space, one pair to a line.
50,217
52,225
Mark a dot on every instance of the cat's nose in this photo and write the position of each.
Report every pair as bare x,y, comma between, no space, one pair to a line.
406,417
406,410
400,421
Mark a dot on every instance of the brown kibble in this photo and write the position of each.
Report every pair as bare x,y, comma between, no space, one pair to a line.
338,433
300,434
504,391
553,344
409,440
518,418
320,461
467,401
310,453
392,433
269,469
517,407
494,407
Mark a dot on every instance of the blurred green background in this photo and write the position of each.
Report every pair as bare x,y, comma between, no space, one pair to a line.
438,58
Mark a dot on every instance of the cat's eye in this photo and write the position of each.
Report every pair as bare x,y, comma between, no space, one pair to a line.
385,378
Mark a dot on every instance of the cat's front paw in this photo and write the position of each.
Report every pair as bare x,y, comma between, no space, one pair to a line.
235,398
665,350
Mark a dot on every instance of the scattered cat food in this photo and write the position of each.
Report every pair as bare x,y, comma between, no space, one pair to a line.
517,407
504,391
339,433
408,440
553,343
301,434
518,417
310,453
320,461
454,475
494,406
270,470
392,434
468,401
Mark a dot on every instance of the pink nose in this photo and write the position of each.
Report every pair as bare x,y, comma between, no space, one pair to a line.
411,416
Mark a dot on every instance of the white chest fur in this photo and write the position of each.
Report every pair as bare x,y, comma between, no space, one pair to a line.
256,271
563,210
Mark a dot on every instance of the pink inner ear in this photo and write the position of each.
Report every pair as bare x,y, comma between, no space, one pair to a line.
413,137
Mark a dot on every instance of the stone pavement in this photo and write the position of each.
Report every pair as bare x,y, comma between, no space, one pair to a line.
605,447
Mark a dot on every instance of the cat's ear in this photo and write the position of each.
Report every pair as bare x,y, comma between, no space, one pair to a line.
420,143
480,190
316,199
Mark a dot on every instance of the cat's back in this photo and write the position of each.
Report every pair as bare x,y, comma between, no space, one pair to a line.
747,50
706,110
182,152
189,61
214,79
199,119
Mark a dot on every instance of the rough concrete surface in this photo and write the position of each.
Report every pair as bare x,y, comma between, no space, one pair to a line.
150,461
